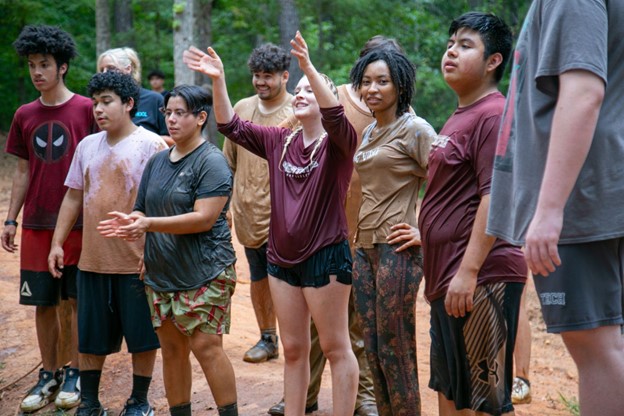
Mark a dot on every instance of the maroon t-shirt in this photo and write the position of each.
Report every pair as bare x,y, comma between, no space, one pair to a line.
47,137
460,173
307,200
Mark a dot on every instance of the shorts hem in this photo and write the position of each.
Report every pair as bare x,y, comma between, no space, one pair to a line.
559,328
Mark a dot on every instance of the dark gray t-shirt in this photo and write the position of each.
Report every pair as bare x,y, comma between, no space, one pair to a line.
559,36
185,261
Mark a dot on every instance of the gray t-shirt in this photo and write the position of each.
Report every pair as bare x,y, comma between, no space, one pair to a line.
177,262
559,36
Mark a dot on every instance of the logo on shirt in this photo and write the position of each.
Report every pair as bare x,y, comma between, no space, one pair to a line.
553,298
141,114
440,141
51,141
364,156
298,172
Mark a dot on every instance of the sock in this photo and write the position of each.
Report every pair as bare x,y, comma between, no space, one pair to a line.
269,334
229,410
140,386
90,387
181,410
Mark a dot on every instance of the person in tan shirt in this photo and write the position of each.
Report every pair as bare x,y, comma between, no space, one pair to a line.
251,205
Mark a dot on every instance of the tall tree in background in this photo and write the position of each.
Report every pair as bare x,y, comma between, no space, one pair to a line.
203,35
288,25
102,26
183,24
123,23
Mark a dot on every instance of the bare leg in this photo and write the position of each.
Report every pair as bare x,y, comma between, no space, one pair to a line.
208,349
263,304
47,324
143,363
177,372
522,351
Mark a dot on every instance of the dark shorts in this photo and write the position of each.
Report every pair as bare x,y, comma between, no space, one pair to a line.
585,292
112,307
332,260
472,357
258,265
37,286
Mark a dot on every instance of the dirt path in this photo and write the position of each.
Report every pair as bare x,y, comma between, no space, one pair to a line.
259,385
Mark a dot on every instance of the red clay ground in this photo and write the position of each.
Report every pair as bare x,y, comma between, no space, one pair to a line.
259,385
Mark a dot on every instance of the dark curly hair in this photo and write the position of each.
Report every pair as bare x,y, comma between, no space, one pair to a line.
402,73
47,40
268,58
121,84
197,99
494,32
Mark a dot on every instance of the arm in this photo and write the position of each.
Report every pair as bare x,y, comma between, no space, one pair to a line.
460,294
210,64
69,212
573,126
18,193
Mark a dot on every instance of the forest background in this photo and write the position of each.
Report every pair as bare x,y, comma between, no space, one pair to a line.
161,29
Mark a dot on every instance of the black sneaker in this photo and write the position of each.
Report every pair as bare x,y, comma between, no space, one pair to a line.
134,407
69,395
86,409
266,349
43,392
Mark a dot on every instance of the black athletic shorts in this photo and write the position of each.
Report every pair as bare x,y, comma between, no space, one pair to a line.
41,289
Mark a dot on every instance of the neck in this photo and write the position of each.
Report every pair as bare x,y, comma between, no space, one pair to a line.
312,130
114,136
268,106
469,97
185,147
386,117
356,98
57,96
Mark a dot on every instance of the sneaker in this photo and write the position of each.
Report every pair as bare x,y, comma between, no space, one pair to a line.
134,407
266,349
521,391
44,391
86,409
69,396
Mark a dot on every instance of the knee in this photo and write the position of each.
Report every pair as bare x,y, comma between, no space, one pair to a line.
296,350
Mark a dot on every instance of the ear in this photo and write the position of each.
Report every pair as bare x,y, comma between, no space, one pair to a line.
285,76
494,61
62,69
130,104
202,117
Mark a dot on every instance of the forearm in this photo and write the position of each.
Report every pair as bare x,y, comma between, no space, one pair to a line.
190,223
324,96
68,214
480,243
18,189
222,107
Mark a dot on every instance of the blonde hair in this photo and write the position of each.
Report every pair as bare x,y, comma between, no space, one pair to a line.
124,57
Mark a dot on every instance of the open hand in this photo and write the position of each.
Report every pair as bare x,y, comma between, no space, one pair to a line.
206,63
300,51
404,233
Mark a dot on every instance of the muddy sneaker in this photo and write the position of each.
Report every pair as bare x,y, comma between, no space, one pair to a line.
134,407
86,409
69,396
43,393
266,349
521,391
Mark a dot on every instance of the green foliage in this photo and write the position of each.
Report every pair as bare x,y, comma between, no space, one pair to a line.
571,404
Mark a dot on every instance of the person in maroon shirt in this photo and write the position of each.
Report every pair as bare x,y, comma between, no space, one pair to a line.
473,281
309,257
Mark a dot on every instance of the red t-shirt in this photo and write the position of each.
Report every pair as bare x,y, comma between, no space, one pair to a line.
460,173
47,137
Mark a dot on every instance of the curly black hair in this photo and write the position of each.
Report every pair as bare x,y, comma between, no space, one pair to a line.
402,73
268,58
121,84
494,32
48,40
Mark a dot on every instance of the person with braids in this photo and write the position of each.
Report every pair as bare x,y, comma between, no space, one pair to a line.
44,135
392,166
308,252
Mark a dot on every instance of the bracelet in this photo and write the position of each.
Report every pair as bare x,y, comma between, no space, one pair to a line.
10,222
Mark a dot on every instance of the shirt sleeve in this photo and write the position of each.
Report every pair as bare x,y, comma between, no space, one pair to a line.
342,135
483,152
215,178
259,140
16,144
419,141
75,178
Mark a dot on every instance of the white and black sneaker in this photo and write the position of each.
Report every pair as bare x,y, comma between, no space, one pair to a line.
69,396
43,392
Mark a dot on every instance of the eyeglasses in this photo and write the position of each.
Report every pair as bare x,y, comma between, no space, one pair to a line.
178,113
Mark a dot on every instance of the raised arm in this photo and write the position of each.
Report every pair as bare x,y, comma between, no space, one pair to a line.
210,64
324,96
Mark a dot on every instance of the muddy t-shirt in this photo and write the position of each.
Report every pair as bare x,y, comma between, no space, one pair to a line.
109,177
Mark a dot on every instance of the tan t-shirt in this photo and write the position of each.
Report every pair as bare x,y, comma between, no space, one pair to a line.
392,164
251,201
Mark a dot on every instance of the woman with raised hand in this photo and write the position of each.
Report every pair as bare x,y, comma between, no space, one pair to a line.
392,165
308,252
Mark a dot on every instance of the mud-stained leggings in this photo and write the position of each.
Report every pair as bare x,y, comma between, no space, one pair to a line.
386,284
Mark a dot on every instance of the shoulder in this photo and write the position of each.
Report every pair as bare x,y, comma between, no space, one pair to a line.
246,102
151,96
413,123
29,108
81,100
91,141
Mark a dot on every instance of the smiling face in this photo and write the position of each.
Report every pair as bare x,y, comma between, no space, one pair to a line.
377,90
110,113
304,101
464,61
183,125
269,85
44,72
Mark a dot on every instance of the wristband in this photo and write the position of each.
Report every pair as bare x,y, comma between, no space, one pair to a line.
10,222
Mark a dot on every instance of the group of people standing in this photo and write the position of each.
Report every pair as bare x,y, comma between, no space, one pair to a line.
156,245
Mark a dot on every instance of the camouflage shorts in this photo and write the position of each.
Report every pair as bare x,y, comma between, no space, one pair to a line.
206,308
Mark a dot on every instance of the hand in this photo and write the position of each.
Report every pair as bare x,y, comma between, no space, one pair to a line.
206,63
404,233
541,252
460,294
300,51
110,228
55,261
8,238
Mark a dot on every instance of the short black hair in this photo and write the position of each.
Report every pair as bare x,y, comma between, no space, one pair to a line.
197,99
48,40
495,34
156,73
121,84
402,73
268,58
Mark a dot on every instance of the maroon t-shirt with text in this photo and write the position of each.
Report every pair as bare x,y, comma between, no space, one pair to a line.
460,173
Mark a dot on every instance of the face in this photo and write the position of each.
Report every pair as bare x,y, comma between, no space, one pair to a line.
304,101
377,90
269,85
182,123
110,113
44,73
156,83
463,63
108,64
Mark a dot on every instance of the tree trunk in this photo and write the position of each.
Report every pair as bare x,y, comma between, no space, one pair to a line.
288,24
123,23
183,24
203,33
102,26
